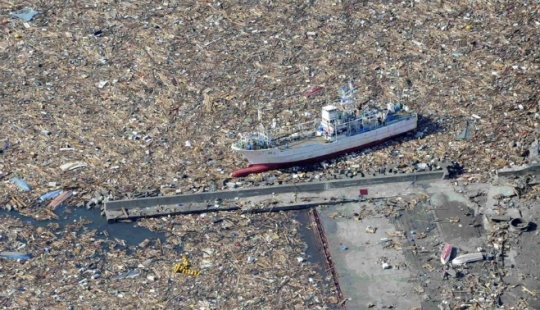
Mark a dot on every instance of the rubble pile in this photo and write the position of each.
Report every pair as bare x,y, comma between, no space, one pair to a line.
107,101
207,261
130,96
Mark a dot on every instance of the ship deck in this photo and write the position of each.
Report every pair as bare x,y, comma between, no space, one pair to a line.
319,139
308,141
310,138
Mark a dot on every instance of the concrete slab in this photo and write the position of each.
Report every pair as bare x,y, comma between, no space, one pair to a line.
362,277
513,213
364,281
449,206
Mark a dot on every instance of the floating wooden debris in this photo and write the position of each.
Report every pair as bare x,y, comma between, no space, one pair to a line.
59,199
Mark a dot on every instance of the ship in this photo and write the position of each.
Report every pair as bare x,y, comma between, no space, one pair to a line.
467,258
446,253
344,127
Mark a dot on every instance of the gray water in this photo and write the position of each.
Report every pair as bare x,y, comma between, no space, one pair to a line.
131,233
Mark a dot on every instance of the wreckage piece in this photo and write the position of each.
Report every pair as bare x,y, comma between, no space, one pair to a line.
533,293
15,255
59,199
371,230
446,253
73,165
517,224
499,218
468,258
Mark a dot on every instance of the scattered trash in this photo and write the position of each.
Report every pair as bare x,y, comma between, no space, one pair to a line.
22,184
344,248
129,274
371,230
428,267
184,267
102,84
60,199
313,91
15,255
5,147
50,195
533,293
26,14
73,165
466,133
169,104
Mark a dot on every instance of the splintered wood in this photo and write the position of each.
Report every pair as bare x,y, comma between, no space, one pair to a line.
116,106
136,100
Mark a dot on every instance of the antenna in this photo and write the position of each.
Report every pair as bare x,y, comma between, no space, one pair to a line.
398,91
259,112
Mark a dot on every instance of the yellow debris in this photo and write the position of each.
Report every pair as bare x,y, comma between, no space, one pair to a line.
184,268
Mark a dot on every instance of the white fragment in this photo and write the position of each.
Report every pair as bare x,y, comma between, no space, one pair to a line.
73,165
102,84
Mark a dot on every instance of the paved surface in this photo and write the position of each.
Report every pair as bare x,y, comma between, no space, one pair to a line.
412,284
362,277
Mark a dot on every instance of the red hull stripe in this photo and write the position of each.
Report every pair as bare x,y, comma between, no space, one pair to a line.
258,168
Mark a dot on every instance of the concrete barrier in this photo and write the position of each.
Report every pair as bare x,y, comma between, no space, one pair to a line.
523,170
316,186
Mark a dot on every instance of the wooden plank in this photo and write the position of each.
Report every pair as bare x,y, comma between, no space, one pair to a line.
59,199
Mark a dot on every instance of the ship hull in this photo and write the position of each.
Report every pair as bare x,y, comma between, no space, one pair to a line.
276,158
446,254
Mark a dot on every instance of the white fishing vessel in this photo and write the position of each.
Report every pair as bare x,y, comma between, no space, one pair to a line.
344,127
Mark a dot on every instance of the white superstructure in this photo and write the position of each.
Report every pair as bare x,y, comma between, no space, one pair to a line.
342,128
